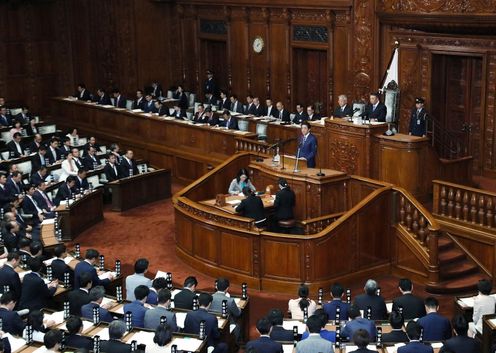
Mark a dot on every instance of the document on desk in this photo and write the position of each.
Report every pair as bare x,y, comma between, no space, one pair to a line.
57,317
288,325
106,275
15,342
48,221
233,202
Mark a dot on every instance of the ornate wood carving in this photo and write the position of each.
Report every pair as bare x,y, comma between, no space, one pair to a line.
213,26
311,15
346,156
363,44
433,6
489,145
317,34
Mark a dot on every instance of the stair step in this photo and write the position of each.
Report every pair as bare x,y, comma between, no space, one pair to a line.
451,256
445,243
450,271
461,286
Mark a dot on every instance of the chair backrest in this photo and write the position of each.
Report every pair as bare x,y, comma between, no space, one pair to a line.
94,180
292,116
192,98
56,174
5,155
243,125
171,111
360,106
169,94
261,131
103,150
6,136
129,104
25,167
189,115
15,111
47,129
113,101
196,104
83,141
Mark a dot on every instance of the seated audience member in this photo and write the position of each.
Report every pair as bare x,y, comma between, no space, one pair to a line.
88,265
139,102
53,153
259,110
252,207
297,306
17,127
82,93
82,180
224,101
90,161
12,236
222,286
35,147
30,206
484,304
128,165
152,316
73,135
236,105
91,143
212,119
24,247
137,306
264,343
66,147
80,296
357,322
284,201
312,116
59,267
269,110
278,332
194,318
115,344
163,336
138,278
96,298
324,333
119,100
69,167
35,319
461,343
372,300
43,201
14,185
149,106
337,292
250,106
300,115
199,116
397,334
66,190
160,109
9,277
414,332
436,327
242,180
35,293
5,118
180,95
39,176
314,343
5,197
179,113
413,307
76,158
361,339
11,321
32,128
282,114
102,97
23,117
157,284
184,299
231,122
52,341
74,338
111,169
343,109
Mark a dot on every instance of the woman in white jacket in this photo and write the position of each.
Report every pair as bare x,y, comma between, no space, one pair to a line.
69,167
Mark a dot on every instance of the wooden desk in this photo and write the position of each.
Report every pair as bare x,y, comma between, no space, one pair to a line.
81,214
233,201
140,189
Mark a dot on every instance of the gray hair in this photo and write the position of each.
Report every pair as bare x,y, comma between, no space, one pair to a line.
343,96
97,293
370,287
117,329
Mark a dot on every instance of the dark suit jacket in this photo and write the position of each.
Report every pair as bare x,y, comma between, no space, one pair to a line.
395,337
308,149
163,111
224,104
418,122
300,117
238,108
110,174
200,118
210,86
149,107
40,200
83,184
259,111
63,151
89,163
11,241
87,312
104,100
29,207
280,334
346,111
213,120
264,344
59,268
284,203
413,307
139,104
180,114
114,346
13,189
5,197
416,347
34,147
283,115
5,120
436,327
183,100
379,113
9,277
252,207
85,97
251,109
273,111
24,119
314,117
184,299
78,341
63,193
35,293
37,162
84,266
12,148
121,103
125,166
192,325
232,123
77,298
51,158
12,322
461,344
330,309
377,304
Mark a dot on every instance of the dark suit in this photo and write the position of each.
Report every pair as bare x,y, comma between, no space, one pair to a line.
5,197
40,200
63,193
314,117
35,293
341,112
232,123
300,117
183,100
29,207
84,266
37,162
78,341
237,107
273,111
120,102
59,268
77,298
252,207
184,299
330,309
251,109
200,117
379,113
13,189
413,307
192,325
416,347
210,86
211,101
23,118
52,155
139,103
104,100
163,111
138,311
89,162
283,115
264,344
12,322
461,344
87,312
5,120
436,327
280,334
224,104
110,173
213,120
13,149
82,184
179,114
395,336
259,111
11,241
308,149
376,303
64,151
418,122
126,165
284,203
149,107
9,277
114,346
357,324
34,147
30,131
83,96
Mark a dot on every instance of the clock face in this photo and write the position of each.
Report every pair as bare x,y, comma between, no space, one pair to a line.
258,45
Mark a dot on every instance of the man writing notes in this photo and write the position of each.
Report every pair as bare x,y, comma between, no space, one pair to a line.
307,145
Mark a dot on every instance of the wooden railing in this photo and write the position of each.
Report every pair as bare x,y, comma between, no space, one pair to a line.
422,227
473,207
250,145
315,225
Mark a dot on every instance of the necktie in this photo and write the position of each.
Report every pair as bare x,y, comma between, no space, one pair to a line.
280,115
342,109
304,139
42,159
16,186
47,200
373,108
115,170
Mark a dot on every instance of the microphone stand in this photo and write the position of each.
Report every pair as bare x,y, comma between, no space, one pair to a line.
319,174
295,170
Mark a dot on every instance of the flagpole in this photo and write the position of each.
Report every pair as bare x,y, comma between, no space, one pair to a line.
396,46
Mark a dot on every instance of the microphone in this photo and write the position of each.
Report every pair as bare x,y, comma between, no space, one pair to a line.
356,110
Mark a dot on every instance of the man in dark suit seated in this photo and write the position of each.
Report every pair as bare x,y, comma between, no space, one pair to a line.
35,293
252,207
414,332
436,327
372,300
36,144
212,119
74,339
111,169
210,99
82,93
96,298
91,162
66,147
9,277
179,94
282,114
397,334
149,106
160,109
199,116
40,159
82,180
88,265
230,121
357,322
278,332
31,207
91,143
179,113
119,100
128,165
137,306
184,299
236,105
102,97
14,146
115,344
66,190
5,118
300,115
264,343
80,296
14,185
413,307
343,109
53,152
59,267
307,145
24,115
269,110
210,85
11,236
337,292
194,318
258,110
461,343
250,108
139,102
5,197
11,321
312,115
225,102
39,176
43,200
375,110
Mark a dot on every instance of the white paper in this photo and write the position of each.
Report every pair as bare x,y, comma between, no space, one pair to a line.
185,344
106,300
287,348
389,307
57,316
40,350
142,337
68,259
354,348
24,273
161,274
180,317
233,202
288,325
174,292
136,110
435,345
2,262
48,221
106,275
15,342
103,333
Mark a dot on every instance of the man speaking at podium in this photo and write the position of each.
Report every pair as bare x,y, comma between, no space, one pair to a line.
307,145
